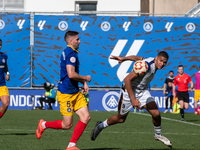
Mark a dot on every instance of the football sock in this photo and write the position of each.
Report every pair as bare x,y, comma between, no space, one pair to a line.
103,125
54,124
71,144
78,130
195,109
157,130
1,114
182,113
43,124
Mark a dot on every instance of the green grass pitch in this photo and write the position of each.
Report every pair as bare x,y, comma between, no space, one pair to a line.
137,133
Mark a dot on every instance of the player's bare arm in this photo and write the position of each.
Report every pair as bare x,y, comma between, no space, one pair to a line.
86,87
164,88
75,76
173,90
121,59
127,82
7,72
191,85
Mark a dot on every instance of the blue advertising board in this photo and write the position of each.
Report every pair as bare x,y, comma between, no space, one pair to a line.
99,100
102,36
15,35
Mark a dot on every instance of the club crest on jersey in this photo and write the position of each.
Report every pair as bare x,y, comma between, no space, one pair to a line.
3,60
73,59
69,109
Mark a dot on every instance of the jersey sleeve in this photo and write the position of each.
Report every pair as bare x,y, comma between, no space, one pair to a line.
71,59
189,79
166,80
175,81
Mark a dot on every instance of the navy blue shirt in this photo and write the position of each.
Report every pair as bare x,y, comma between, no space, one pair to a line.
68,57
3,60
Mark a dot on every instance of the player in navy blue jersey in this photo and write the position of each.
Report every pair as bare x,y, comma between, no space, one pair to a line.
68,94
4,94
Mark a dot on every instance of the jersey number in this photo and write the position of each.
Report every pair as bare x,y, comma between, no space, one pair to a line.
68,104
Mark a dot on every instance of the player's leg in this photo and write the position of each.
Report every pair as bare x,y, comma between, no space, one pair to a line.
166,104
156,118
108,122
186,105
195,108
152,108
171,103
180,96
66,109
124,106
81,110
186,100
181,103
4,96
196,98
5,103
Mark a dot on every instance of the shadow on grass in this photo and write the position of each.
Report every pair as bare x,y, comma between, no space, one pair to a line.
17,134
131,149
103,149
187,120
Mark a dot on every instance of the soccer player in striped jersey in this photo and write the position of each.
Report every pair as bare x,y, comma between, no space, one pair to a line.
135,93
4,94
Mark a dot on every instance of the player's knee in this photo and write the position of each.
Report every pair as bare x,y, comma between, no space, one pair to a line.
5,105
157,116
67,126
121,120
86,118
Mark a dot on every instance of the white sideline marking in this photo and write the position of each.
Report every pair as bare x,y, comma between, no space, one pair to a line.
170,119
112,132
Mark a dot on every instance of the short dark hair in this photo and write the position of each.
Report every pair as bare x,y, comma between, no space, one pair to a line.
70,33
163,54
0,40
180,66
171,71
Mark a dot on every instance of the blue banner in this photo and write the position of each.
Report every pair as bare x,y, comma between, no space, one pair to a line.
102,36
15,35
99,100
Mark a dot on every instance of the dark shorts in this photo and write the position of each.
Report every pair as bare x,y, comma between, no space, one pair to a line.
183,96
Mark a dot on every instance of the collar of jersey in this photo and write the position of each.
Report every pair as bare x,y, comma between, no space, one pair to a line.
73,48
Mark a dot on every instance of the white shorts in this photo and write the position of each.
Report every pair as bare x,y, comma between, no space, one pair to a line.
125,105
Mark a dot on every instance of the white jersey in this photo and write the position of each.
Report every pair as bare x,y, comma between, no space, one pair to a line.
140,89
141,82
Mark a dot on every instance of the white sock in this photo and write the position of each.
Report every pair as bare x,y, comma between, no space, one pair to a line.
157,130
43,124
105,123
71,144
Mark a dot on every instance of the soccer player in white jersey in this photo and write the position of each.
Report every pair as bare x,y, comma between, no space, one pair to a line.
134,93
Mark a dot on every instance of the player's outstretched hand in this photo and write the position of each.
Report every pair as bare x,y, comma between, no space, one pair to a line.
119,59
136,103
88,78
